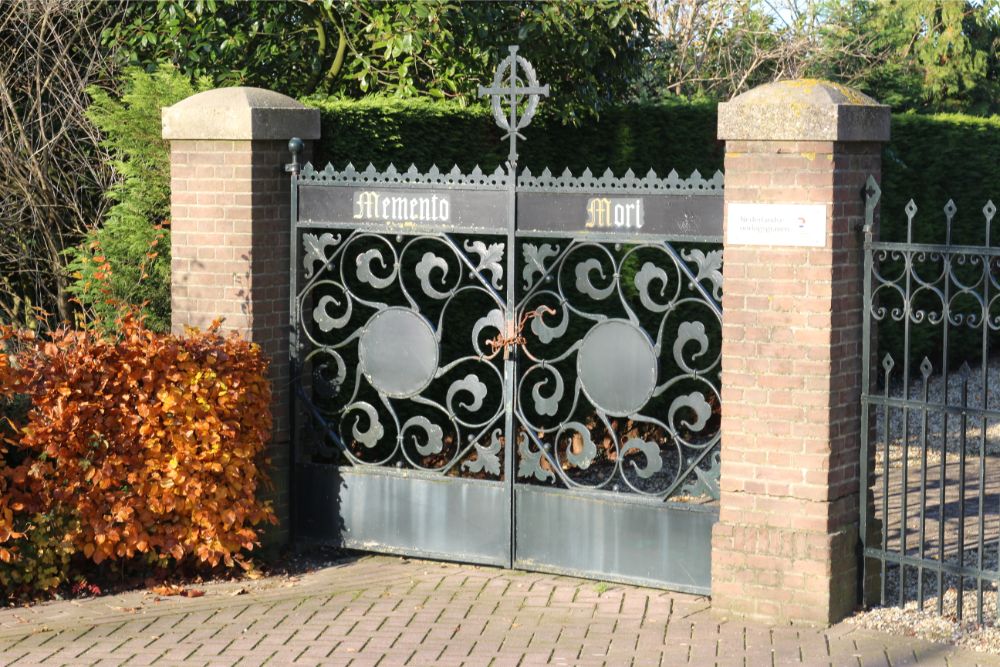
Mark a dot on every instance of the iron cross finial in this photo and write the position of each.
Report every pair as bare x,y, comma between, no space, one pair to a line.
512,87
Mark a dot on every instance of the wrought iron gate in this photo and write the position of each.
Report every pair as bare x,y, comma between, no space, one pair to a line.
510,369
930,457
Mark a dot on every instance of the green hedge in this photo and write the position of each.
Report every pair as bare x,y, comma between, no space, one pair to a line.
425,132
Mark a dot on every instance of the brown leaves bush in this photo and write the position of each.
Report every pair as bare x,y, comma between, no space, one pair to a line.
138,445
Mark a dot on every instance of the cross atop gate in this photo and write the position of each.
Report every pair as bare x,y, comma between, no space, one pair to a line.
513,88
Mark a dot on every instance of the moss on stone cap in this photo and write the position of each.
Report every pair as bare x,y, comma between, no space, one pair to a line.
803,110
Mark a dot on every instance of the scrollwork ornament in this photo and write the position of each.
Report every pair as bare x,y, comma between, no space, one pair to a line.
487,458
434,435
547,405
651,450
471,385
644,278
695,401
588,449
364,269
490,258
535,258
709,268
689,332
584,283
428,263
327,322
530,462
368,437
315,250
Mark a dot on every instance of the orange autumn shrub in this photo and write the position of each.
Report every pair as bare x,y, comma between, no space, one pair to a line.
139,445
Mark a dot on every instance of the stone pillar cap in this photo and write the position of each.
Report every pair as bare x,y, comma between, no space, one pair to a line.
240,114
803,110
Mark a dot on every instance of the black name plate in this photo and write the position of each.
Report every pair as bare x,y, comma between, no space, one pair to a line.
402,209
698,217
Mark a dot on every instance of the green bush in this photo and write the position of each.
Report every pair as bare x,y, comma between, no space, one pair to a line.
126,261
423,132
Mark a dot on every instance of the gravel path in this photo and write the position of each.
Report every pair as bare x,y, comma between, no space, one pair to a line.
928,455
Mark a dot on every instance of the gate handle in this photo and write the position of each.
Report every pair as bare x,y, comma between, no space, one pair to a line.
502,342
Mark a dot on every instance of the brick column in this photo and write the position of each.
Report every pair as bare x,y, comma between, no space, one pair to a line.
229,210
785,546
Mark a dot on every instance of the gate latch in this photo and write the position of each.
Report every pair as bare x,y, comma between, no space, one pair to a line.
514,335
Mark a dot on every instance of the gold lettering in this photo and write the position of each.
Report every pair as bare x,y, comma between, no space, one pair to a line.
367,206
599,212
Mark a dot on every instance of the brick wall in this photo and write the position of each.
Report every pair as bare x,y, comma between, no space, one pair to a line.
791,357
230,259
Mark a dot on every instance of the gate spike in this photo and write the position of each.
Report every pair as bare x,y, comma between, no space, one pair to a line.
629,174
949,212
587,173
989,210
413,171
434,171
911,210
526,173
546,173
608,173
888,363
965,371
476,171
567,173
926,368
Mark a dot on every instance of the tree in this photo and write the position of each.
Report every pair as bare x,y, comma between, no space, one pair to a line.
928,55
52,168
588,49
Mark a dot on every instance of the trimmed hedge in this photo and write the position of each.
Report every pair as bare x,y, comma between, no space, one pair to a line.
426,132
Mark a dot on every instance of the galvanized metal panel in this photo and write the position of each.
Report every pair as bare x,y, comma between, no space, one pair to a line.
613,538
377,509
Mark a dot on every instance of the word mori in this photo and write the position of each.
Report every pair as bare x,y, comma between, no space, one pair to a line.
623,213
371,205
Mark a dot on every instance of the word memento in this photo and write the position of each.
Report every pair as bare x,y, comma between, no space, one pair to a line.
621,213
383,207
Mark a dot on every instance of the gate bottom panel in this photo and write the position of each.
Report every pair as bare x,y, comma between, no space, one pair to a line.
614,539
446,518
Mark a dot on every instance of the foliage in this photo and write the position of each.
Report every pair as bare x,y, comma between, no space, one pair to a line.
424,132
143,447
587,49
928,55
52,169
935,55
127,259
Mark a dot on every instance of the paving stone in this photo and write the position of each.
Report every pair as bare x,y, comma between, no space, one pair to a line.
387,611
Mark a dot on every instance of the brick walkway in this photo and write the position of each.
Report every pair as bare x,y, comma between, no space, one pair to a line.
379,610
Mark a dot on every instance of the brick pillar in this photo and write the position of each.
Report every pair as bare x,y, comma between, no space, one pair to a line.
229,210
797,156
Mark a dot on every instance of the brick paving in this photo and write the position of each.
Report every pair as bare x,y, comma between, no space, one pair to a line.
380,610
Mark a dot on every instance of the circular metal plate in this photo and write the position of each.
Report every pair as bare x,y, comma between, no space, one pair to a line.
617,367
398,352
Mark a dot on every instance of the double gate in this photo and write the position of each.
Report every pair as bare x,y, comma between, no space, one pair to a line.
509,369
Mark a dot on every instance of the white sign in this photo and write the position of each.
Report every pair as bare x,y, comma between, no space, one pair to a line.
777,224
